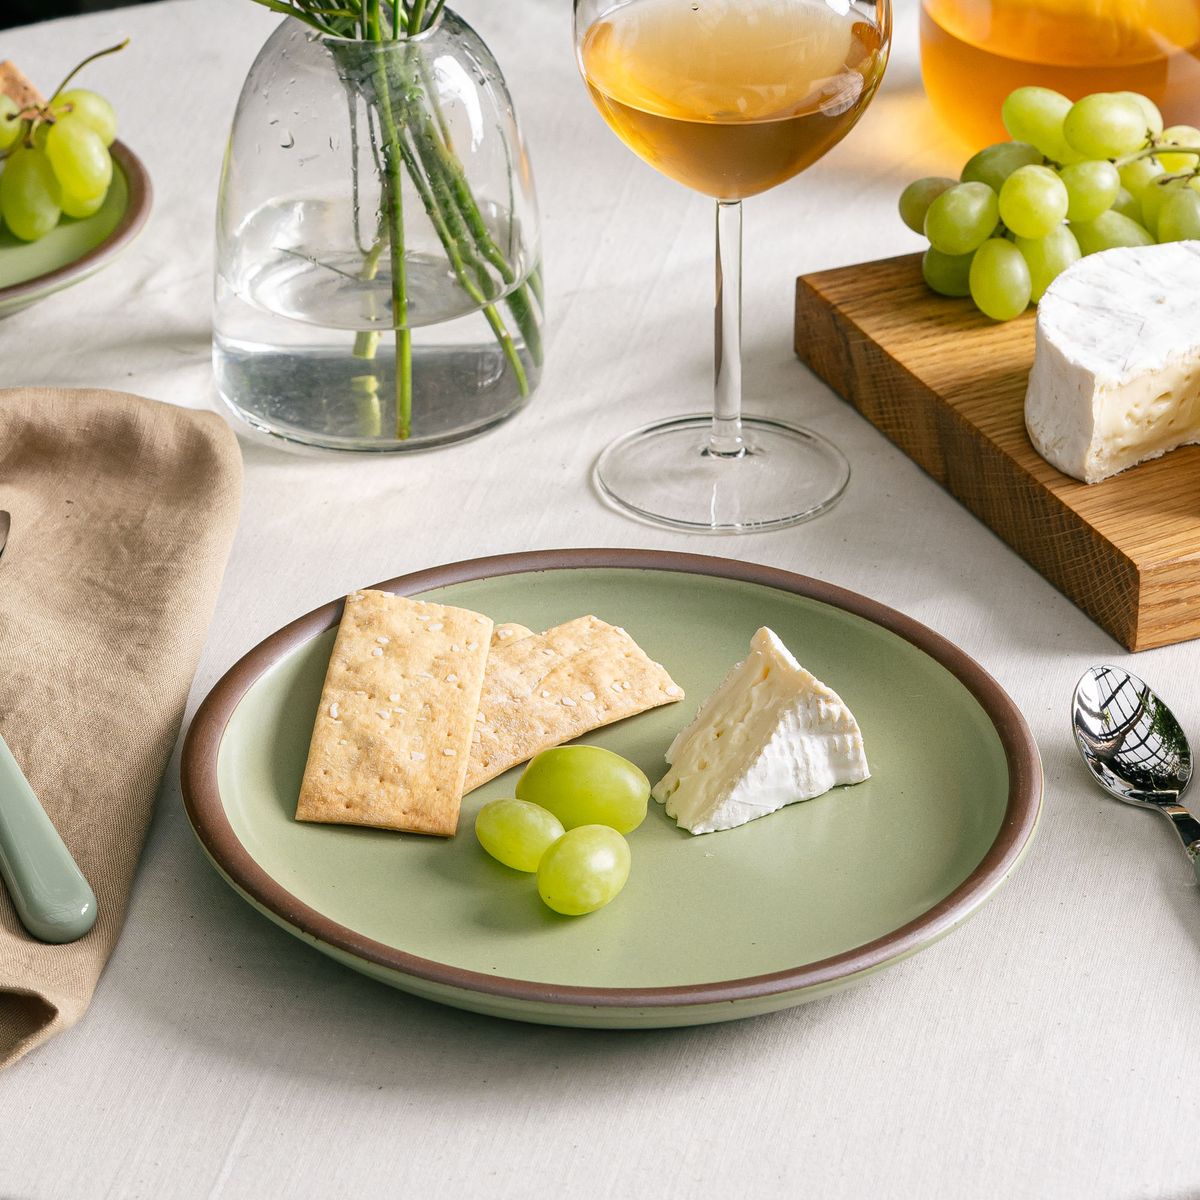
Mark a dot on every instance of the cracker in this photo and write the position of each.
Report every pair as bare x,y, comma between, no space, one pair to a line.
548,688
509,631
15,85
392,738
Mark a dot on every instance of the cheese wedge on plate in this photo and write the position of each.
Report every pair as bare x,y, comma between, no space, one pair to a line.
1116,377
772,734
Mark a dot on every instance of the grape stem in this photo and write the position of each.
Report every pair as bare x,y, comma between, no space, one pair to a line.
1150,151
90,59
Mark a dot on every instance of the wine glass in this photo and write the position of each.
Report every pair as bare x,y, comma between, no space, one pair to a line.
729,97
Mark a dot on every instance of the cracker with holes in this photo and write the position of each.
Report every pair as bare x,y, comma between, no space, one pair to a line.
392,739
547,688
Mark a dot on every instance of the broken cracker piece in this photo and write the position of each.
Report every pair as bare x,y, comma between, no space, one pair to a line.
509,631
392,737
15,85
545,689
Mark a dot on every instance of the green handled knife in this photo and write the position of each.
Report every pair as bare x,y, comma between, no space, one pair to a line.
48,890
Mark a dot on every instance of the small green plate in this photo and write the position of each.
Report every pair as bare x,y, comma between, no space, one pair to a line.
708,928
30,271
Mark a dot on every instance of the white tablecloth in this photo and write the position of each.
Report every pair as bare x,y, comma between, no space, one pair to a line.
1040,1051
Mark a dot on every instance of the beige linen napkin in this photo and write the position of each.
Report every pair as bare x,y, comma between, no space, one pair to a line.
123,511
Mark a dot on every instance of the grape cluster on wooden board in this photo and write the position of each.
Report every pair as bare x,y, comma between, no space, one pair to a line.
1077,178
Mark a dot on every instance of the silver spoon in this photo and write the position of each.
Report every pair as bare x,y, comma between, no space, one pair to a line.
1133,745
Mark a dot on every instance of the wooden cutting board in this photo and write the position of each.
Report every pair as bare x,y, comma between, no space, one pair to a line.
948,387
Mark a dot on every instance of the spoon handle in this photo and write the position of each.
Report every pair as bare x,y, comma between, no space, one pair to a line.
48,890
1188,829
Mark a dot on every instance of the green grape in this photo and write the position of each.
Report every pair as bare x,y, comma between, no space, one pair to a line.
918,196
1109,230
947,274
1154,196
91,109
1150,114
516,832
30,198
1033,201
586,785
1048,257
1105,125
996,163
1179,217
10,127
1136,176
1035,115
1091,189
72,206
79,157
962,218
1000,283
1128,205
583,870
1183,135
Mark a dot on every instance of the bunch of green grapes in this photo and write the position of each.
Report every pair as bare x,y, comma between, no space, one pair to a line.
1075,179
54,159
572,807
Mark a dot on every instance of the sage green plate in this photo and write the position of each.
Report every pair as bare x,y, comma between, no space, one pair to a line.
708,928
30,271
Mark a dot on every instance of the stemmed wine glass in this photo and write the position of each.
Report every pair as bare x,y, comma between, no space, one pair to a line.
729,97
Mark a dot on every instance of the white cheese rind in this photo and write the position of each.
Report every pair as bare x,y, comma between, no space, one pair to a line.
772,734
1116,373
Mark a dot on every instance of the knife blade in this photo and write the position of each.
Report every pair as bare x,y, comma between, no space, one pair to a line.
52,898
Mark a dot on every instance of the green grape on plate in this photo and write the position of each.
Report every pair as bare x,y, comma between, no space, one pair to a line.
91,109
584,870
79,157
517,833
587,785
30,196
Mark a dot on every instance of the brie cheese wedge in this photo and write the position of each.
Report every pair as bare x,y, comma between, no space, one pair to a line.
771,734
1116,377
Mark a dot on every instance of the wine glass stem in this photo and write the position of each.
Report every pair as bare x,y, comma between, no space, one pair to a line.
725,439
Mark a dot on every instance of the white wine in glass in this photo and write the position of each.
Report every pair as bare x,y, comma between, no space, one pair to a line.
729,97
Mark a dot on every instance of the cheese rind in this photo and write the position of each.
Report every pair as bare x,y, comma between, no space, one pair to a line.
1116,373
772,734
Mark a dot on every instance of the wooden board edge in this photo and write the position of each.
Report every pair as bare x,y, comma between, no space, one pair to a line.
945,446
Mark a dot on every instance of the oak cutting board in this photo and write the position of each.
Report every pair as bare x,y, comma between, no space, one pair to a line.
948,387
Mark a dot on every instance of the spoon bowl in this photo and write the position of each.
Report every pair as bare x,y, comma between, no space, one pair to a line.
1135,748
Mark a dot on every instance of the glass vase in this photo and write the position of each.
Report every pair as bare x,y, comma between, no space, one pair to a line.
378,277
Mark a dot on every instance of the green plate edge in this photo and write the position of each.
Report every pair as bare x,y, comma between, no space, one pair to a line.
76,249
548,1002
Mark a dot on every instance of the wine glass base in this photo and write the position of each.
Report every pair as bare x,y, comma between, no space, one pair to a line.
665,474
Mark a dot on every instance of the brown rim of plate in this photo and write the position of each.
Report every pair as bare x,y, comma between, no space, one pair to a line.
137,209
201,794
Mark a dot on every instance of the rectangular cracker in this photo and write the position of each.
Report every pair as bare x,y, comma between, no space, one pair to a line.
392,739
545,689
